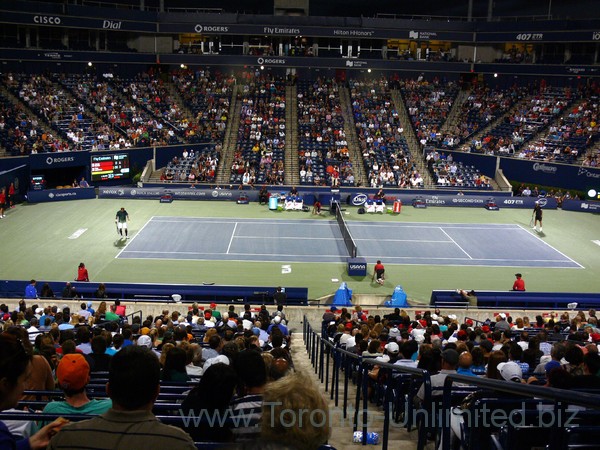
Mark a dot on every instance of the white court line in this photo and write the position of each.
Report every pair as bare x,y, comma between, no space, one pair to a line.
236,253
136,235
494,226
336,255
332,238
450,237
341,260
557,251
307,222
232,236
304,238
414,241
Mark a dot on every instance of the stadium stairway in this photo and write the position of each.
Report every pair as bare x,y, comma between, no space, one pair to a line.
292,171
454,117
342,429
411,139
178,100
233,122
360,177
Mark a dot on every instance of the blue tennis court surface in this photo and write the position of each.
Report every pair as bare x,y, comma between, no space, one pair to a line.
321,241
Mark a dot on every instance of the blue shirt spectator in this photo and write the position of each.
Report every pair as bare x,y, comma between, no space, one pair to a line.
30,290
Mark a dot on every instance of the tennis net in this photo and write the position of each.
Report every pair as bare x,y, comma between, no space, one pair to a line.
348,239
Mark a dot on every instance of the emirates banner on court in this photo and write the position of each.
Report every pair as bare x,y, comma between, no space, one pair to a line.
479,201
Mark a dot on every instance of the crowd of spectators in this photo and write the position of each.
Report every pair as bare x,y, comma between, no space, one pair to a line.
380,135
483,106
231,360
198,166
135,112
531,115
260,145
558,350
323,155
208,96
65,115
124,124
449,173
572,134
428,104
22,135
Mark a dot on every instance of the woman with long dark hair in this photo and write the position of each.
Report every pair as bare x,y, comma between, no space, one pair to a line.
15,369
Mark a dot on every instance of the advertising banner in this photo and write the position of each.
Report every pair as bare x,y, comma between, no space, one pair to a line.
58,195
40,161
478,201
581,205
178,193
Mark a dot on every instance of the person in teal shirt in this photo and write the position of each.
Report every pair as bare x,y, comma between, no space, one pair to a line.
73,374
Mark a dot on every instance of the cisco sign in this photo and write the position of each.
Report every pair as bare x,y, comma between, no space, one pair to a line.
47,20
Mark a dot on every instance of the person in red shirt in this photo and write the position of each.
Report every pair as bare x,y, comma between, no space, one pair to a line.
2,202
378,271
519,284
11,195
82,273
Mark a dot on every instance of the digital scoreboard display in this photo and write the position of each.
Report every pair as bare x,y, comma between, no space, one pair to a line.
110,167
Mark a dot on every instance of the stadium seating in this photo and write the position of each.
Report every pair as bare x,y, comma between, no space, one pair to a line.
428,105
323,149
261,136
385,152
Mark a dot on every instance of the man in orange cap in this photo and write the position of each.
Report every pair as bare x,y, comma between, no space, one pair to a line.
73,373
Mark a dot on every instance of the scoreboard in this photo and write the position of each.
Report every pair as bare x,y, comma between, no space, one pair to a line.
110,167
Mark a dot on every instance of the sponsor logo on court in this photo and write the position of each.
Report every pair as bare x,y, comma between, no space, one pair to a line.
359,199
358,266
133,192
545,168
215,194
50,195
542,201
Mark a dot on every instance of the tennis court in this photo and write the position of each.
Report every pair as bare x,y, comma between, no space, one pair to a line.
272,240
